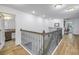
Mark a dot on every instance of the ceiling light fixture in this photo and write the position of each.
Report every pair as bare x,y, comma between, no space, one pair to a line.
58,6
7,18
33,12
69,10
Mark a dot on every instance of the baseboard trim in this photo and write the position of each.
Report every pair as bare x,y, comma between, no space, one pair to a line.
57,47
1,46
26,49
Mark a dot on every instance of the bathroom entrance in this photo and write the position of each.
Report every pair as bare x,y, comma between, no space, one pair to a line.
8,28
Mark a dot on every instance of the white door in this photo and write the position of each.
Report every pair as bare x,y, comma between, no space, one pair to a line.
2,33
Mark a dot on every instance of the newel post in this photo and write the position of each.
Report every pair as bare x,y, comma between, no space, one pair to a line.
43,41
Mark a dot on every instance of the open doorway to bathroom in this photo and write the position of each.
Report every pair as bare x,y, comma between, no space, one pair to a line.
9,23
9,30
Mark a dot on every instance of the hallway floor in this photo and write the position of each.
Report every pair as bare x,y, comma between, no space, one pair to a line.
68,46
11,49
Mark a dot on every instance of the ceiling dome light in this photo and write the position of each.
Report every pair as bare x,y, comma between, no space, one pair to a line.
7,18
58,6
33,12
69,10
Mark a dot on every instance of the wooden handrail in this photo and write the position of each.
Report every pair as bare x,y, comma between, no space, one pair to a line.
43,33
52,32
49,32
31,32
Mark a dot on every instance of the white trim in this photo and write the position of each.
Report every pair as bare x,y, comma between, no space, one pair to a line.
56,47
26,49
1,46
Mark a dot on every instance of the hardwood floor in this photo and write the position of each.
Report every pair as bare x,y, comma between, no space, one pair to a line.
68,46
11,49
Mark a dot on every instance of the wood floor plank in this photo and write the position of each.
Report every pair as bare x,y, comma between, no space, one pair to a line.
68,46
11,49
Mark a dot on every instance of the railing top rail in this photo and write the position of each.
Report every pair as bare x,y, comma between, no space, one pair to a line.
49,33
43,33
31,32
52,31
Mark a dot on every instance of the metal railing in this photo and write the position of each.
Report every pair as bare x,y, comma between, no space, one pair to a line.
40,43
51,40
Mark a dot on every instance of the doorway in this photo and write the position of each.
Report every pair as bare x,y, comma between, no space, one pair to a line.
68,27
9,30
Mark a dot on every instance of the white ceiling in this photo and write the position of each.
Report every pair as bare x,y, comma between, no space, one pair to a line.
48,10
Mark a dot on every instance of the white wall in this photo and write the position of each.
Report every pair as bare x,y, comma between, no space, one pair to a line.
2,38
31,23
50,23
37,24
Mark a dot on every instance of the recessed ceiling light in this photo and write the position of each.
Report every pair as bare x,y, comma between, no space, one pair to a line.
58,6
74,8
33,12
7,18
69,10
